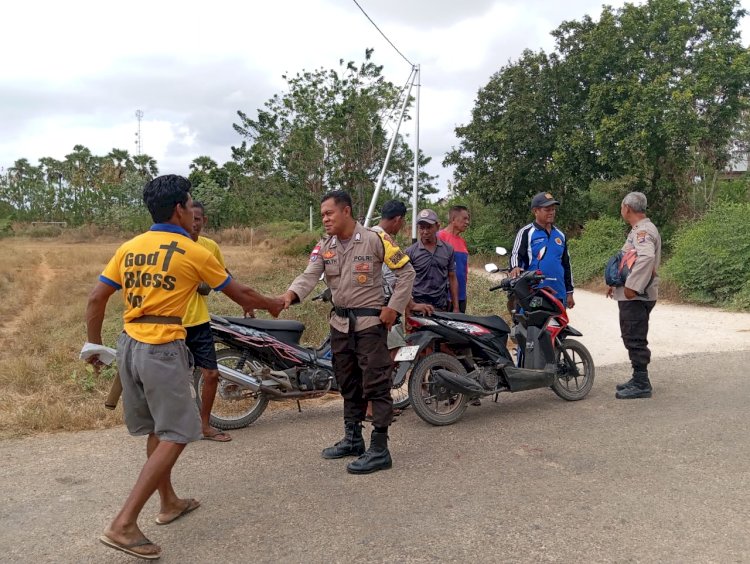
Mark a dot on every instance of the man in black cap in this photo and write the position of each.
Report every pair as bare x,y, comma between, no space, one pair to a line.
540,245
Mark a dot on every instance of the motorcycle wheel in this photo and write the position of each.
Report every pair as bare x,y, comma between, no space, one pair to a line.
432,401
234,407
575,377
400,391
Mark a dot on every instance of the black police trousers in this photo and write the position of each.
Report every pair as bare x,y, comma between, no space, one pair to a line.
634,316
362,366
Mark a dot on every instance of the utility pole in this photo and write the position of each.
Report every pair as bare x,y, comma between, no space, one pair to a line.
138,138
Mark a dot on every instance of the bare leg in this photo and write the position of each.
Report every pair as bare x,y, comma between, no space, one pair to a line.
208,394
154,475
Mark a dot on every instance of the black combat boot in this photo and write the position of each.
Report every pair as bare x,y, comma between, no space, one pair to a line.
376,458
641,387
353,444
628,384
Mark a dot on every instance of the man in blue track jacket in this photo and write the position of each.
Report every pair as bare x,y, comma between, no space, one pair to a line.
540,245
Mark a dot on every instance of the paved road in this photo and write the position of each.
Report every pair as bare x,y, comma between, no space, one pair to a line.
530,479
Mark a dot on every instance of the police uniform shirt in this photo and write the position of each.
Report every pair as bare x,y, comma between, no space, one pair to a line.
535,249
159,271
643,278
354,274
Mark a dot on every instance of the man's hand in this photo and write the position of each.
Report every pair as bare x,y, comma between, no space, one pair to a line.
95,362
424,309
516,272
571,301
289,298
388,316
610,291
630,294
276,306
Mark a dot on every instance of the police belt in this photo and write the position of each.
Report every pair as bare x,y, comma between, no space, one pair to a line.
352,313
157,319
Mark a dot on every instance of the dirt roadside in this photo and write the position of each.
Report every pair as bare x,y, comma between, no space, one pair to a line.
531,478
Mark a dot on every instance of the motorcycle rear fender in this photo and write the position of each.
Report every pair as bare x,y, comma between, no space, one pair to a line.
421,339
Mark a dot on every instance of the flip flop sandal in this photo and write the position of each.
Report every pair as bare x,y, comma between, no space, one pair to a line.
215,437
192,505
130,547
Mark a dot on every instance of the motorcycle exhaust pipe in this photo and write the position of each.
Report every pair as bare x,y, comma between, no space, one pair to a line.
458,383
240,378
256,385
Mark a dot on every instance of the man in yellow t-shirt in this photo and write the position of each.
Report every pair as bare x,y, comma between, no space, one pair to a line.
200,340
158,272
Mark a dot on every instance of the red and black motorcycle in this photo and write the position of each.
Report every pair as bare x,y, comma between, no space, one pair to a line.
474,361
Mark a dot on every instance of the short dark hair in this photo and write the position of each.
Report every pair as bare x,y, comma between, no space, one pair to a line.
455,210
163,193
199,205
393,208
339,197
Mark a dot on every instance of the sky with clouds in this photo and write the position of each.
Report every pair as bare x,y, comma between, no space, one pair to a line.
75,72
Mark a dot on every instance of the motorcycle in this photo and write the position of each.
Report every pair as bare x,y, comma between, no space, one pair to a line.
262,360
474,361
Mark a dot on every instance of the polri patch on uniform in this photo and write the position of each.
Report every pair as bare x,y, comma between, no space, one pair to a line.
329,254
358,237
641,236
362,278
314,253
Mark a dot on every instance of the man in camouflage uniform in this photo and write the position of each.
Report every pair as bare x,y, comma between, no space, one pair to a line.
351,256
638,296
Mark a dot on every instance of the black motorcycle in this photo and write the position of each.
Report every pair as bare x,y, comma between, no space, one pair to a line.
262,360
471,357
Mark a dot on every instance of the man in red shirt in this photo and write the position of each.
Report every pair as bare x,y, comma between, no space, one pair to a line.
459,219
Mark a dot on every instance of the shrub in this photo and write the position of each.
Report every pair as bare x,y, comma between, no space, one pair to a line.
711,257
601,238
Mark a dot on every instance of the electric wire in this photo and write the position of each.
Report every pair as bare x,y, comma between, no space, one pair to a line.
383,34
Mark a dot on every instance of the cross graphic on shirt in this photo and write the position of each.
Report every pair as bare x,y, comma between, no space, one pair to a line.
171,249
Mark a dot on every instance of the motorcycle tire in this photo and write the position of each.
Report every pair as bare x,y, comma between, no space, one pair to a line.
400,390
234,407
428,397
573,381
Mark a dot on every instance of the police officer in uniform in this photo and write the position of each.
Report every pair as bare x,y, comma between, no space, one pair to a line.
351,256
638,296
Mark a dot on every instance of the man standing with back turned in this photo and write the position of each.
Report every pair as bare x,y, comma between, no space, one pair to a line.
638,296
351,256
159,271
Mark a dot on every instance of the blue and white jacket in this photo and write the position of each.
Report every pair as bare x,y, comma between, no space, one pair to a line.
555,263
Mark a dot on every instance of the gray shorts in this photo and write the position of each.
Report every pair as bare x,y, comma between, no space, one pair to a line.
157,390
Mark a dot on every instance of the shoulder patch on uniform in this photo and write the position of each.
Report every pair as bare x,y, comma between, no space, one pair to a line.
641,236
358,237
314,253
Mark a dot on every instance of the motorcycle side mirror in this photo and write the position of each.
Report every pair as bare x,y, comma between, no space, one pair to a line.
502,251
491,267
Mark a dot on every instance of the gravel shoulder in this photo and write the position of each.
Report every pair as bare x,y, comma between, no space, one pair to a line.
531,478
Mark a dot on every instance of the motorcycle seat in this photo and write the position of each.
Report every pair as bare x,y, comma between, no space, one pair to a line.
492,321
287,331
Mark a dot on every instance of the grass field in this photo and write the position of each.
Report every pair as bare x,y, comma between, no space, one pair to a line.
44,284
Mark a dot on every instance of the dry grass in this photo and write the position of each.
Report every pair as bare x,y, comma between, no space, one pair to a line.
45,284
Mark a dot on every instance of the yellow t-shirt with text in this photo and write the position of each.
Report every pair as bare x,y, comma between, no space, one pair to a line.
159,272
197,310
